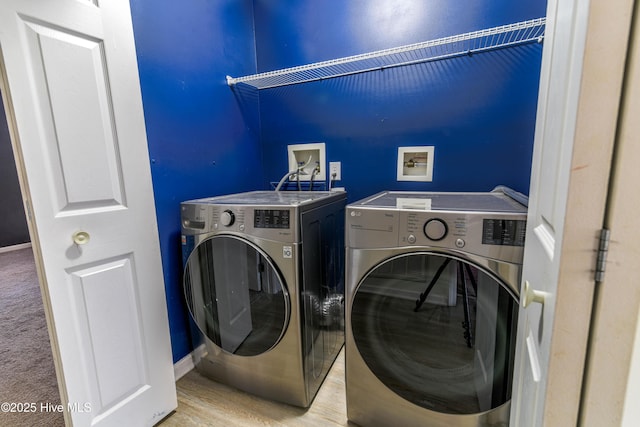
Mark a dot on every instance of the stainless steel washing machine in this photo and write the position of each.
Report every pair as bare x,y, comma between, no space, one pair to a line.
264,284
432,304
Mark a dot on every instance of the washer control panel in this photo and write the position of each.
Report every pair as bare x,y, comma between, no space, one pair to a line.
435,229
271,218
227,218
275,223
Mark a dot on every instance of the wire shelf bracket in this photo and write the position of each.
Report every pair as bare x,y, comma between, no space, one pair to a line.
519,33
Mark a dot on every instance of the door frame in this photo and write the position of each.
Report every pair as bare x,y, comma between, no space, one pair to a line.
601,37
599,48
611,390
605,52
33,235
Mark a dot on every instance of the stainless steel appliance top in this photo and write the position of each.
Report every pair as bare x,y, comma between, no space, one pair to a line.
495,201
489,225
274,215
271,198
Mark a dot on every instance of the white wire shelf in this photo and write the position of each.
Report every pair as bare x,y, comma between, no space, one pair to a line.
531,31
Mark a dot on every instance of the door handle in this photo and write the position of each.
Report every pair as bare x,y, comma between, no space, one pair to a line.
530,295
80,237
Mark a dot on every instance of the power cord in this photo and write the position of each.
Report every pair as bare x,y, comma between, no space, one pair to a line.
289,174
315,172
331,180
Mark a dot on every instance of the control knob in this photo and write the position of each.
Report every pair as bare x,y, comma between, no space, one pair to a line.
435,229
227,218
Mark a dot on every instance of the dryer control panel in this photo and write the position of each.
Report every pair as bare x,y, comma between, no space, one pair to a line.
507,232
493,235
497,235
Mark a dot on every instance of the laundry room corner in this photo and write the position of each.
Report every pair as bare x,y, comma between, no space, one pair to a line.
200,140
319,213
206,138
476,110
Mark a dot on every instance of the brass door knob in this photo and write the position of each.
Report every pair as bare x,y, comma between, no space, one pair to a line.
530,295
80,237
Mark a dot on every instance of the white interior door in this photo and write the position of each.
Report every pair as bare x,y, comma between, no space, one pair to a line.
582,68
74,102
545,223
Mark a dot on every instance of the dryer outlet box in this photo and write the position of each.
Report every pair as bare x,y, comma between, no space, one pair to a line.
310,158
415,164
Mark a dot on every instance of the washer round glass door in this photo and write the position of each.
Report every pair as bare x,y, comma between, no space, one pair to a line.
437,331
236,295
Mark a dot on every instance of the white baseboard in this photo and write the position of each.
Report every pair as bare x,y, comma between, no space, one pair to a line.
15,247
183,366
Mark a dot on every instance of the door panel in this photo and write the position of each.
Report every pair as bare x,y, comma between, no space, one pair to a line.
83,154
78,132
452,359
243,311
233,303
115,356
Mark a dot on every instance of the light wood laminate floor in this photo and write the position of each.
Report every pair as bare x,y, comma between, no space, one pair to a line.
202,402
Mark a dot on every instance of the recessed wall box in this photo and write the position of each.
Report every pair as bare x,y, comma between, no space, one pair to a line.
415,164
310,158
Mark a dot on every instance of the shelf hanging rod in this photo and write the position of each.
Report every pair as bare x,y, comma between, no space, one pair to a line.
463,44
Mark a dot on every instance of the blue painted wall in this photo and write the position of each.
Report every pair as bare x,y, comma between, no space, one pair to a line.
478,111
205,139
200,140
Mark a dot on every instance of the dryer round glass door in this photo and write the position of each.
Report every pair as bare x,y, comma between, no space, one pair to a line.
236,295
437,331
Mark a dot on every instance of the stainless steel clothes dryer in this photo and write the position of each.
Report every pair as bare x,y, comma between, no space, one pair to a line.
264,284
432,303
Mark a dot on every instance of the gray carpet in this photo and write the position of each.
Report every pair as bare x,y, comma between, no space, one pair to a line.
26,365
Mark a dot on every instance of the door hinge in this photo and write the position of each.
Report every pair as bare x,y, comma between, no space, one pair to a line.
27,204
603,250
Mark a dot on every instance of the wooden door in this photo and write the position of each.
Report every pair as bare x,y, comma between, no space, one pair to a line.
74,103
